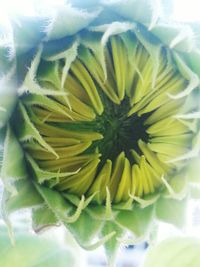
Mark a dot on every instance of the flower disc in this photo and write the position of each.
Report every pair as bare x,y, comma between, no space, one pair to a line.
112,126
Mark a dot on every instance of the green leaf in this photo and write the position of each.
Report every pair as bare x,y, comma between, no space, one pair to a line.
73,19
8,97
188,74
42,217
143,11
23,63
138,220
85,4
58,46
31,250
6,47
172,211
177,36
25,197
112,246
174,252
5,61
107,16
85,229
194,60
177,187
27,32
13,167
54,200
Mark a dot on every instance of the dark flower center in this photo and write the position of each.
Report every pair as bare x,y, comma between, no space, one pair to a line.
120,132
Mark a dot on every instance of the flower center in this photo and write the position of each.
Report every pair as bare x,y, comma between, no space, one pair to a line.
120,132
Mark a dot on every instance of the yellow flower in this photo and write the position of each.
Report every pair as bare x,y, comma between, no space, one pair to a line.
105,123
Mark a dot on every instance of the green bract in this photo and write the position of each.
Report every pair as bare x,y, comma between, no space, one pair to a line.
105,119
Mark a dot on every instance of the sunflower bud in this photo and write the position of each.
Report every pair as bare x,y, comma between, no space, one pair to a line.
105,123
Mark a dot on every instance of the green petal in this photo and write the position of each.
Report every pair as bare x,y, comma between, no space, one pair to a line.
30,84
172,211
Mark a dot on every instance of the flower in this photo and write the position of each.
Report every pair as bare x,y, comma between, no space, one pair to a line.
103,122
